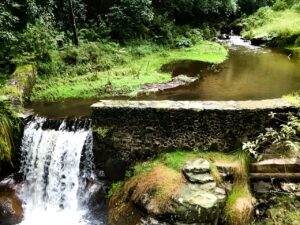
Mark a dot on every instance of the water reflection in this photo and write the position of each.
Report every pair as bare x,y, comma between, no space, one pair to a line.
248,74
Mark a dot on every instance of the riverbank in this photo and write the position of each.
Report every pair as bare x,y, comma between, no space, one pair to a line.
275,28
130,68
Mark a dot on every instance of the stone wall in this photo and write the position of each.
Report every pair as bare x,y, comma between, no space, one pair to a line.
136,130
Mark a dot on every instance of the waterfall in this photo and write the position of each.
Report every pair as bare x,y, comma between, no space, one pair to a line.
56,163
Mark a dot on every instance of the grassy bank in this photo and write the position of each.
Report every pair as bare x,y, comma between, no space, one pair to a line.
277,27
127,69
167,167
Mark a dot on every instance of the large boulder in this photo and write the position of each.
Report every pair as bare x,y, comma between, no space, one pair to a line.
11,211
165,195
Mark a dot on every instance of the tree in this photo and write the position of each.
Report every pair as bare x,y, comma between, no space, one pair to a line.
73,22
130,18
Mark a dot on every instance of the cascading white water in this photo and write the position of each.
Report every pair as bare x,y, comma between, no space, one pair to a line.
54,186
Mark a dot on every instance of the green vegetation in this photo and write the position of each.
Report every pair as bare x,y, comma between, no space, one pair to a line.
284,210
9,129
115,187
20,84
127,69
284,141
239,205
278,25
120,42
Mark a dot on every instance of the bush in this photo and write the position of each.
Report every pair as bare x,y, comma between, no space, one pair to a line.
183,42
285,140
142,48
34,44
296,7
297,41
70,56
262,16
280,5
130,18
96,31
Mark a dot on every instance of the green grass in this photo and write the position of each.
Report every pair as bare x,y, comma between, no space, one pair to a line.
174,160
280,22
115,187
126,77
281,28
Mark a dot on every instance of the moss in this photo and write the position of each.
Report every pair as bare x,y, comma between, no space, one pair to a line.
114,188
21,82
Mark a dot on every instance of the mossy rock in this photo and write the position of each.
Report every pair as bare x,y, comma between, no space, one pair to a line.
19,87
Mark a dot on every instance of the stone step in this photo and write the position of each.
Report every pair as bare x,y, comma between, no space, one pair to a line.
276,166
275,176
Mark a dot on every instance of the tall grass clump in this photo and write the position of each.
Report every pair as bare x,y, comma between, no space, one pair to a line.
9,129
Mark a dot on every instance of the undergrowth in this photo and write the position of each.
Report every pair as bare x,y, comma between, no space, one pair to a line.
9,129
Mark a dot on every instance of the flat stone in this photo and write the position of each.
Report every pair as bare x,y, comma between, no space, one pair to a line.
276,166
199,178
196,105
196,166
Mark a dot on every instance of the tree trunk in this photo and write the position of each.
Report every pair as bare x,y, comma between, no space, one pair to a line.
73,23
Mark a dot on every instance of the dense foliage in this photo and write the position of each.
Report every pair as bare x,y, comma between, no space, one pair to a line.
285,140
35,25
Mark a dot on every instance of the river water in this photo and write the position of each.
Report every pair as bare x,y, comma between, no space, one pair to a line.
249,73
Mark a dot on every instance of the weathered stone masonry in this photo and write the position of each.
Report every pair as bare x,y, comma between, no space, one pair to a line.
136,130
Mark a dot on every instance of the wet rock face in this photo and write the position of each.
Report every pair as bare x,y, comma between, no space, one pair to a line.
11,211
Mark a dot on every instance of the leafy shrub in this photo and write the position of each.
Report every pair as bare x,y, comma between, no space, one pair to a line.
34,44
287,138
262,16
280,5
296,7
183,42
130,18
96,31
70,56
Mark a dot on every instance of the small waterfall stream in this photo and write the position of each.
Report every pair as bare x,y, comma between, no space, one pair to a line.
56,164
